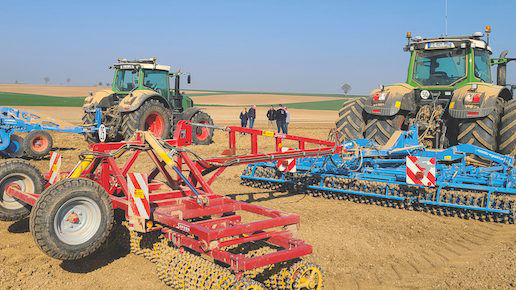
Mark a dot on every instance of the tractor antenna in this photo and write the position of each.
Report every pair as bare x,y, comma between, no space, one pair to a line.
445,17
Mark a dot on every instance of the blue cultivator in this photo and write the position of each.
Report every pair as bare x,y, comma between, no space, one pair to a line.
38,142
463,180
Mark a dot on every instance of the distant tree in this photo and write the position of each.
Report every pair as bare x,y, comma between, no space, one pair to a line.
100,84
46,79
16,81
108,84
68,81
346,88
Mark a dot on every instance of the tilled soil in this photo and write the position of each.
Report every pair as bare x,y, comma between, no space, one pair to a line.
358,246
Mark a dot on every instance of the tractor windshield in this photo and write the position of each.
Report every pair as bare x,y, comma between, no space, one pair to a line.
440,67
126,80
156,80
482,67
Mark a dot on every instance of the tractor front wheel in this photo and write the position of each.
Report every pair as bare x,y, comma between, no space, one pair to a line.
71,219
151,116
202,135
381,128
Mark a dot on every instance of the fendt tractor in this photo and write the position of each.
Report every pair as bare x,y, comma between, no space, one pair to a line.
141,98
448,93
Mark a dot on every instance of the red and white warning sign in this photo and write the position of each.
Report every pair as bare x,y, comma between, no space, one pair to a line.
138,195
287,165
54,167
420,170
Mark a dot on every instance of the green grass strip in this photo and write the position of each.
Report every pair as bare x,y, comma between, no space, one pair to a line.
15,99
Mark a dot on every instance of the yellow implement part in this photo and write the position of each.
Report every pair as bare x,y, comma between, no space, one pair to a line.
158,149
77,171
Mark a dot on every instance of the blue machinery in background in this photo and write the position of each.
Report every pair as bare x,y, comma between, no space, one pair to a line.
14,121
470,181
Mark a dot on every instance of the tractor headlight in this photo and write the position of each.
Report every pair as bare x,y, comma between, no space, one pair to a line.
425,94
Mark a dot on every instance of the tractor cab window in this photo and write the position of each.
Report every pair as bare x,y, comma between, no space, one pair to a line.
482,67
126,80
156,80
439,67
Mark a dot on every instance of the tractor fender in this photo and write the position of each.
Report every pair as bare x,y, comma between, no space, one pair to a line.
135,99
397,97
103,99
488,94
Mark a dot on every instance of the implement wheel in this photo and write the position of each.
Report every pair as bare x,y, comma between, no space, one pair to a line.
151,116
23,176
508,129
71,219
351,122
381,128
482,132
15,148
37,144
305,276
202,135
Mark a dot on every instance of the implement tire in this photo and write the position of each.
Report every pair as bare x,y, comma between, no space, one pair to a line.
381,128
351,122
151,116
37,144
89,119
202,135
71,219
508,129
27,178
15,148
481,132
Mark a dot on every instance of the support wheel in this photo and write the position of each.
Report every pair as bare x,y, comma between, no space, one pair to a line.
381,128
351,122
89,119
202,135
151,116
37,144
25,177
481,132
307,276
508,129
15,148
71,219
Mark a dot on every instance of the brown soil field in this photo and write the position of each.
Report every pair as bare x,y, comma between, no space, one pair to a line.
257,99
358,246
50,90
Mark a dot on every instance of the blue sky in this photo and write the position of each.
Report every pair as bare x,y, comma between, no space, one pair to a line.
295,46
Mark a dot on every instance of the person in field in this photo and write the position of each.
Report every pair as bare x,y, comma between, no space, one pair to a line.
281,117
270,115
243,118
251,114
287,120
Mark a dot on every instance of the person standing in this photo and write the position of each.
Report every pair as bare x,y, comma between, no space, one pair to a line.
251,115
287,120
281,116
270,115
243,118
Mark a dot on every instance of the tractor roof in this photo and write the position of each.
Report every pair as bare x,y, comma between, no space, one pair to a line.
149,63
447,42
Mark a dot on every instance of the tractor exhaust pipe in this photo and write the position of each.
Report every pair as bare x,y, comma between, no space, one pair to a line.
501,70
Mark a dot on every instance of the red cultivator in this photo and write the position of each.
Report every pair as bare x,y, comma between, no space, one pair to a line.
198,238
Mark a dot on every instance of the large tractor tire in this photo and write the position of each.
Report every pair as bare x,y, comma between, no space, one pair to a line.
37,144
381,128
508,129
482,132
152,116
89,119
71,219
24,176
351,122
202,135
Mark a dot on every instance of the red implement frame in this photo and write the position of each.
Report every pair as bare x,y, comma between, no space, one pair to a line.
180,206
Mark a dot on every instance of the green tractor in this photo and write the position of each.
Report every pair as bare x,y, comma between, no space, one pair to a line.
449,94
141,98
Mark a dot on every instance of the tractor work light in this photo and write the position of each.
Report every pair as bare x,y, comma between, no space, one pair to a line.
488,28
425,94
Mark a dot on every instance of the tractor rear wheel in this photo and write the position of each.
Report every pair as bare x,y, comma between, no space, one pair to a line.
37,144
71,219
89,119
482,132
508,128
351,122
202,135
151,116
381,128
25,177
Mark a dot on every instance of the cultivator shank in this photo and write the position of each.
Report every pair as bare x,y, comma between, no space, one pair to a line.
463,180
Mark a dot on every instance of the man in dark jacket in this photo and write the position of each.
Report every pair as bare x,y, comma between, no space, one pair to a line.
281,119
243,118
270,115
251,115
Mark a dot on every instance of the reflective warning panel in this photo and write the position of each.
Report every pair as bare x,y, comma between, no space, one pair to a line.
139,205
420,170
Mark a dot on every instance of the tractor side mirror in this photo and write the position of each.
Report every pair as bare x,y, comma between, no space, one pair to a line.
189,79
